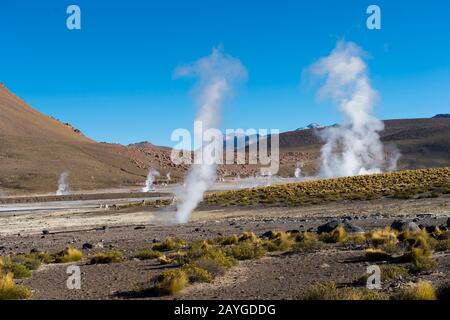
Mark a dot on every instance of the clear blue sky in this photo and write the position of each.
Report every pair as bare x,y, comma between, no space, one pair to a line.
113,79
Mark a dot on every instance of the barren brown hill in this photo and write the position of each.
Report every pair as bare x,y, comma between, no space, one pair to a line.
423,142
35,149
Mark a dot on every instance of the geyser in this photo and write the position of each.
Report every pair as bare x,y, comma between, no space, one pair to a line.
63,184
354,148
152,174
217,75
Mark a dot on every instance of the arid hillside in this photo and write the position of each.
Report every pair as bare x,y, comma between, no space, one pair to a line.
35,149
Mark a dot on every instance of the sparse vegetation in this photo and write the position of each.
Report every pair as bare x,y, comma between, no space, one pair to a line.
110,256
402,184
171,282
421,291
306,242
329,291
388,273
246,251
146,254
69,254
9,290
337,235
169,244
279,241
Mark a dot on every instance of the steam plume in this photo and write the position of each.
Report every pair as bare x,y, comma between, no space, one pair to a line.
355,147
152,174
217,75
63,184
297,172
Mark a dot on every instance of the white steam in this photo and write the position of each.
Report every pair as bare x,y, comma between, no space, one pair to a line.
217,75
63,184
297,172
151,176
353,148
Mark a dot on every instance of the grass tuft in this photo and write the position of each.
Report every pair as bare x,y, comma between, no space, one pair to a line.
110,256
423,290
70,254
9,290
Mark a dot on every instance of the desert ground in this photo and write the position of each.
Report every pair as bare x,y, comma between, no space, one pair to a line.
276,275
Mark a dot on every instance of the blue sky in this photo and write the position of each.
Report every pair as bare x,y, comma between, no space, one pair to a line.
113,79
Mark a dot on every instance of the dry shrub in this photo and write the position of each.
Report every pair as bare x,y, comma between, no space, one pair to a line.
224,241
19,271
146,254
383,237
423,290
388,273
329,291
306,242
337,235
421,260
69,254
110,256
171,282
9,290
279,241
248,236
246,251
442,245
169,244
197,274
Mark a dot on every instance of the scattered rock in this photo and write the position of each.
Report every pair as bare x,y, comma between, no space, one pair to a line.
87,246
331,225
268,234
45,232
402,225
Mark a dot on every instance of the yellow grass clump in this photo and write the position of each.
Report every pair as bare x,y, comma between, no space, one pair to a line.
423,290
171,282
110,256
70,254
9,290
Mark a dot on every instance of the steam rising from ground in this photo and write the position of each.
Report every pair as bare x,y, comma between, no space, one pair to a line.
63,184
217,75
151,176
355,147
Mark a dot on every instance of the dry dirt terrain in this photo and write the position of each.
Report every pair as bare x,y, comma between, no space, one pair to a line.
275,276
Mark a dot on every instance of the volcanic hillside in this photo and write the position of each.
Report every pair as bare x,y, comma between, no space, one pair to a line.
423,143
35,149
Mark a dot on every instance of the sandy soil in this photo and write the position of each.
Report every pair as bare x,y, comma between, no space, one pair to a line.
276,276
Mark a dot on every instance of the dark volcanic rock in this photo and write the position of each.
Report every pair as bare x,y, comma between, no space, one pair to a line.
331,225
402,225
87,246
